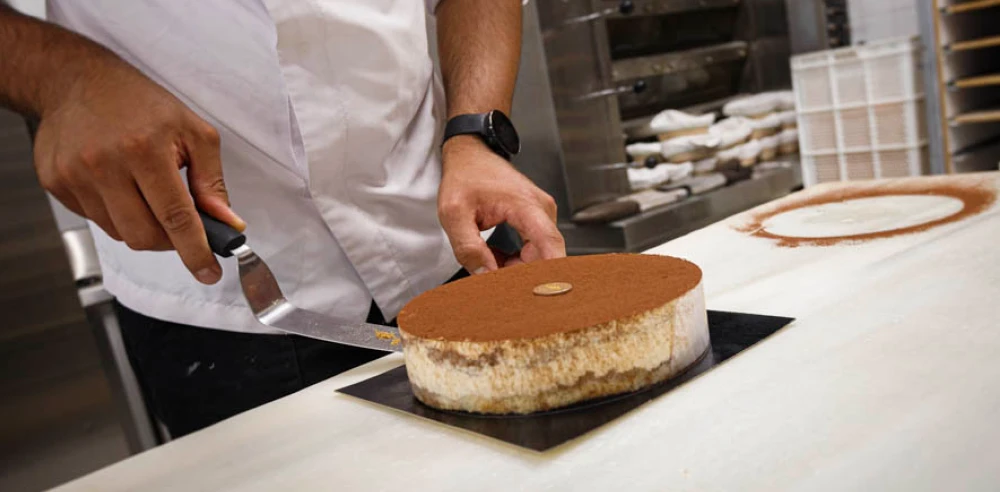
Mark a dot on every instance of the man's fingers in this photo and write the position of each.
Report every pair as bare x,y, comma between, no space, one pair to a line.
539,231
469,247
94,209
67,199
51,181
133,219
548,205
168,198
205,176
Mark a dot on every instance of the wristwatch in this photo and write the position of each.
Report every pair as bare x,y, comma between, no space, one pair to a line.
493,127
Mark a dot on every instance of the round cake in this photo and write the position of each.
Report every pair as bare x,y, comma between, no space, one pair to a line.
553,333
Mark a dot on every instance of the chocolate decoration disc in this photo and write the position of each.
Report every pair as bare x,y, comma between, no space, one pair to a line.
552,289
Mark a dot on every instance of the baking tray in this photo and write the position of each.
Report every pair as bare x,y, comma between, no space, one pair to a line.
731,333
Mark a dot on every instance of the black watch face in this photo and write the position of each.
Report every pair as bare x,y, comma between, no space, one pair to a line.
504,132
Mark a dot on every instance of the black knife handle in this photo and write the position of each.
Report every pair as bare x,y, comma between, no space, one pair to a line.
505,240
222,238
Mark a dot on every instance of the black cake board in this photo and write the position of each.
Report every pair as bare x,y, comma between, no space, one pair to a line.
731,333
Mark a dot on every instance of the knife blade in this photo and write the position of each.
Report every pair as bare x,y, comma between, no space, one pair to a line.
271,308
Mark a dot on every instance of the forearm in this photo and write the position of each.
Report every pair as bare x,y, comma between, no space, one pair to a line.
40,62
479,43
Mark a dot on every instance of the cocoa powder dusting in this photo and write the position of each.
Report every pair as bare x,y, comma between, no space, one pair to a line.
501,305
976,194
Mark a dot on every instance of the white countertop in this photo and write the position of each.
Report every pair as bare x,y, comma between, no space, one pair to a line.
888,380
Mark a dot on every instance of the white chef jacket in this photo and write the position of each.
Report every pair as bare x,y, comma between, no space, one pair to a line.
330,119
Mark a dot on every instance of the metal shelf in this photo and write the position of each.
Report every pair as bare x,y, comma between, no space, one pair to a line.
976,82
962,74
974,117
963,7
661,7
974,44
659,225
638,128
979,158
667,63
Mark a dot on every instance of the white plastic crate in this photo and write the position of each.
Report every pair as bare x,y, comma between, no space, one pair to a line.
861,112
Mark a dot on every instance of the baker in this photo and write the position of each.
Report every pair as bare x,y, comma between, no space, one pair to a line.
327,121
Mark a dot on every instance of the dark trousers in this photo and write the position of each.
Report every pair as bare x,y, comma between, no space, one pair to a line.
194,377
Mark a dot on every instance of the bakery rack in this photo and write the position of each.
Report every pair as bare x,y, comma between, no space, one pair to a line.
964,40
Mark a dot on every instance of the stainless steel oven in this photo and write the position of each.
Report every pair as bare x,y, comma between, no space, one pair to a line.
593,74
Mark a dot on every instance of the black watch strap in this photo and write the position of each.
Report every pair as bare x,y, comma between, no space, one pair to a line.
466,124
473,124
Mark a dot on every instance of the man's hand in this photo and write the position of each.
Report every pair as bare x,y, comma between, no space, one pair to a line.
479,43
110,142
111,152
480,190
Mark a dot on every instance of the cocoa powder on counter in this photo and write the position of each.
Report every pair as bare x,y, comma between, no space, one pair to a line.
501,305
977,195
